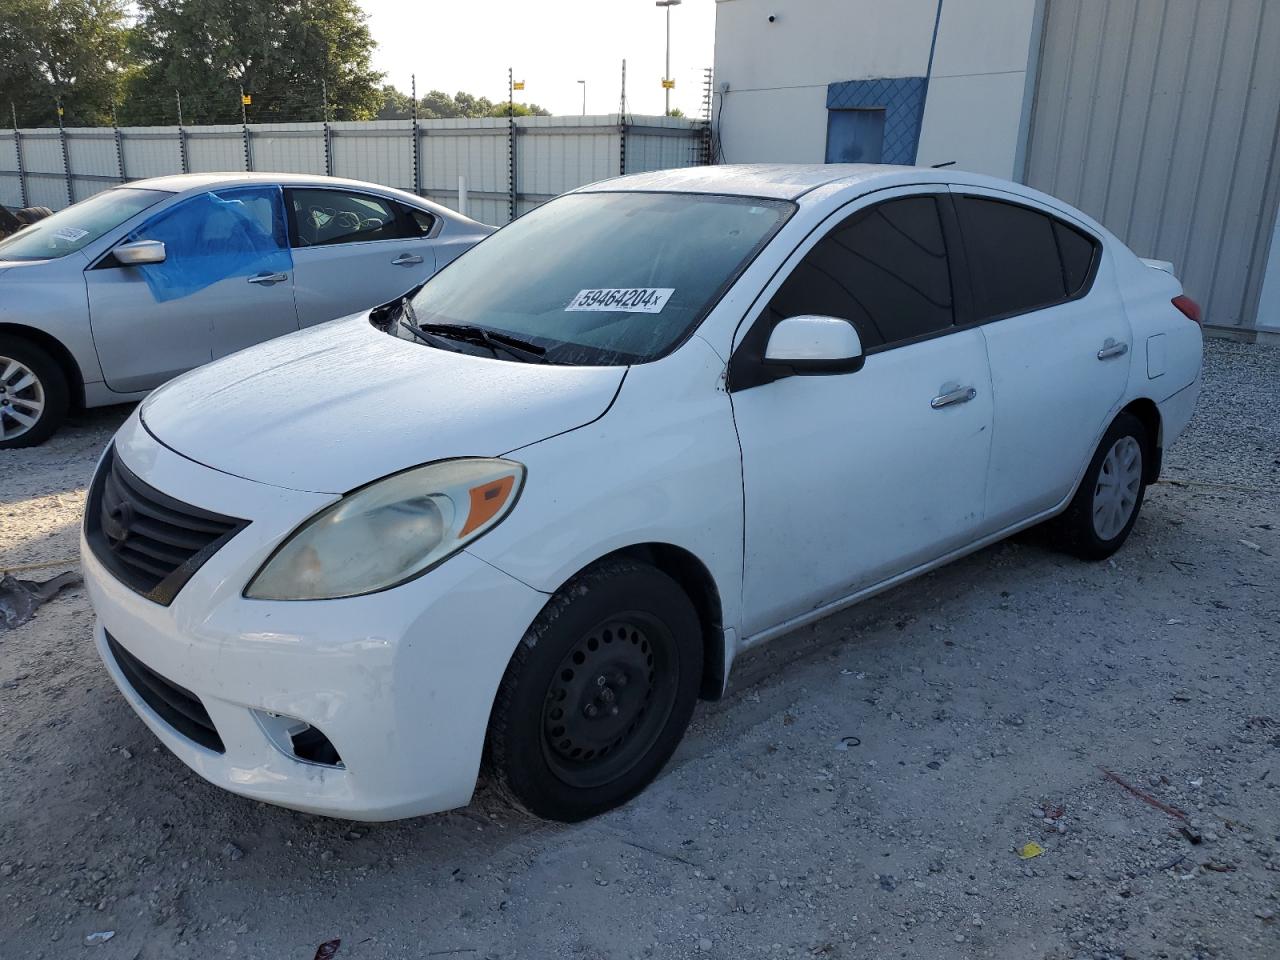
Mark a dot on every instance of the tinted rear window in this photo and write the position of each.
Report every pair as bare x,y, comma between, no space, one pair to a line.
1077,256
1013,254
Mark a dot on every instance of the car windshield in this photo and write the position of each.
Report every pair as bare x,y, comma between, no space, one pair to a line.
78,225
603,278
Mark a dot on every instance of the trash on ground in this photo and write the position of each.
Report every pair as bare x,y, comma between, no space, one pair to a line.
1029,850
19,599
1143,795
847,742
102,936
328,949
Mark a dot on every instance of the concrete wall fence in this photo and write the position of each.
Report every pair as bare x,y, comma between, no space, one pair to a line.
507,166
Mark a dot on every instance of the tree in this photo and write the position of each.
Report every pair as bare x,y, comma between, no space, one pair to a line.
285,54
437,105
73,50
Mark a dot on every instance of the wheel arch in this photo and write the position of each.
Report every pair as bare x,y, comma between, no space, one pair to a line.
1146,411
56,349
693,577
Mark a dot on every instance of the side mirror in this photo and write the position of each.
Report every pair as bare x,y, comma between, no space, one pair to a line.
812,345
139,252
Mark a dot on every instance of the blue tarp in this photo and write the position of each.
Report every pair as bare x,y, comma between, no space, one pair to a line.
239,232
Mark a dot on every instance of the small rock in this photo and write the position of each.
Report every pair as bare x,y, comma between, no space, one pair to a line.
1265,915
704,945
232,852
102,936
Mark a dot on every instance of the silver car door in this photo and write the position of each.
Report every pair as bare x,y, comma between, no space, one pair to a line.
353,250
225,282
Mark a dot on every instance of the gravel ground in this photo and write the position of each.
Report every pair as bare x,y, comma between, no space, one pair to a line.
861,792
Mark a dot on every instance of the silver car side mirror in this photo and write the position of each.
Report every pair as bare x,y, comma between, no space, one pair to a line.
140,252
812,344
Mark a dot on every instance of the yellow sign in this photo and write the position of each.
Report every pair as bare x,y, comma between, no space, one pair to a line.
668,84
246,99
518,85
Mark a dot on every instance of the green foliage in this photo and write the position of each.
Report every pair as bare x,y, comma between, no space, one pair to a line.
675,112
283,53
437,104
68,49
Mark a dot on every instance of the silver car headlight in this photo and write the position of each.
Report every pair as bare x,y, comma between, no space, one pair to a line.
390,531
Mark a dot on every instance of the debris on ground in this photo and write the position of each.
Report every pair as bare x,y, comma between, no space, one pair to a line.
19,599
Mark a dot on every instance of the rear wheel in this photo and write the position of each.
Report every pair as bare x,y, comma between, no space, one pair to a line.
1106,505
34,395
598,694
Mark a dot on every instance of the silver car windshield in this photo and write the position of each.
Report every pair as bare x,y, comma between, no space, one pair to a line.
603,278
78,225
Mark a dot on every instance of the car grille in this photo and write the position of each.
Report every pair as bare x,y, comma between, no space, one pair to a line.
151,542
177,706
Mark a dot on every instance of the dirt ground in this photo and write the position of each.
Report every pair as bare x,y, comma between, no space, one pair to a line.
861,792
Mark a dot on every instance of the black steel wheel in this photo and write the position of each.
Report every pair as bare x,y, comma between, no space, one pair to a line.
598,693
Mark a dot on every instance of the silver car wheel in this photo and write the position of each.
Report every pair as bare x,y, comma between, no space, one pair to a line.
1116,492
21,398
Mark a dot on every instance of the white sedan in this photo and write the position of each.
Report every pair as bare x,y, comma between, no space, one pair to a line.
527,516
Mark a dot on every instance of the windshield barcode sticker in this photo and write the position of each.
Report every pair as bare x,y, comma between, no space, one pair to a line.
70,234
622,299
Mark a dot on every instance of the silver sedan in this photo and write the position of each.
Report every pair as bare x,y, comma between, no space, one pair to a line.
109,298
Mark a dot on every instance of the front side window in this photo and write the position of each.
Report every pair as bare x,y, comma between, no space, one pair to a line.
213,236
79,225
1022,259
884,268
324,217
604,278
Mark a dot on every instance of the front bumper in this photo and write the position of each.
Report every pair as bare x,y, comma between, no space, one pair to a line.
401,682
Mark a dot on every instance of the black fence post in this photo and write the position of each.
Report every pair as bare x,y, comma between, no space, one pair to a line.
244,130
417,147
66,162
622,125
17,147
182,137
115,130
511,147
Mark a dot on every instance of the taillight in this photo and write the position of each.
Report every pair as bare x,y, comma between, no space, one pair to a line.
1190,309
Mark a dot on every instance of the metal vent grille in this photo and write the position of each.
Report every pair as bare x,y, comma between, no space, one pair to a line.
177,706
151,542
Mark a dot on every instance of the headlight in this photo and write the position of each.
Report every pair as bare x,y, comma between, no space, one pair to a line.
390,531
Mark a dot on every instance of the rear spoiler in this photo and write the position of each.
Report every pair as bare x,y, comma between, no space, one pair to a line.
1164,266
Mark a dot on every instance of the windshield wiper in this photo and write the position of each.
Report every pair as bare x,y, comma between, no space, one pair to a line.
525,350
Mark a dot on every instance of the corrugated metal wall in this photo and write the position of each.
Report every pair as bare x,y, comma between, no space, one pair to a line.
553,154
1160,118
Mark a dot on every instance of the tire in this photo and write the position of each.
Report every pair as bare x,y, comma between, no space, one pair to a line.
42,393
561,744
1102,513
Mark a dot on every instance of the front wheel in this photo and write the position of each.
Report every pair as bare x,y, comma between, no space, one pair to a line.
598,693
1106,506
34,395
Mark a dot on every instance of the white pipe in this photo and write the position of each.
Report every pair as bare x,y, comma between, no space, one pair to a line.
462,195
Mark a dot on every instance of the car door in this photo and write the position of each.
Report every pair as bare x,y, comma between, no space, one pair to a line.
1058,341
852,478
354,250
226,283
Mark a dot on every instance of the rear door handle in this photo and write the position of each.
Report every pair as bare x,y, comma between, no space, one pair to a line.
1112,349
406,260
269,278
960,395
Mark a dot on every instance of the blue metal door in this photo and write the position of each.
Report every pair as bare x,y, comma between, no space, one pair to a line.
855,135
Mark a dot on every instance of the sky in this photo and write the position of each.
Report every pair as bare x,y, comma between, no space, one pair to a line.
467,45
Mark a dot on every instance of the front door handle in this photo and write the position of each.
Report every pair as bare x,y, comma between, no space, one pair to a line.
959,395
1112,349
406,260
269,278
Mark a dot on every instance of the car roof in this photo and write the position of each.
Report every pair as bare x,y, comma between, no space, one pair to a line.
192,182
778,181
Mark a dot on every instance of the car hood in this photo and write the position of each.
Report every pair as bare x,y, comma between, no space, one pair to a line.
339,405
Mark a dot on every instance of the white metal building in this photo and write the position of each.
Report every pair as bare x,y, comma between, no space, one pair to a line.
1161,118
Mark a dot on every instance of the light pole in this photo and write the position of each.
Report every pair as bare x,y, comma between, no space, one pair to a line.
666,79
584,97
